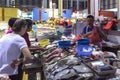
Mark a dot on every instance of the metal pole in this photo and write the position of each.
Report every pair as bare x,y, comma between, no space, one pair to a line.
50,1
66,4
77,5
60,8
53,5
7,3
99,5
118,9
43,3
41,12
3,16
71,5
92,7
88,6
40,15
84,4
96,9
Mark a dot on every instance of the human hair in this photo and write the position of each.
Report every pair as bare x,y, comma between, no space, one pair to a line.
30,23
34,23
115,17
90,16
18,25
66,23
11,21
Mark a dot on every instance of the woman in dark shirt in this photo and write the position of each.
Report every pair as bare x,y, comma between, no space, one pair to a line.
26,35
31,48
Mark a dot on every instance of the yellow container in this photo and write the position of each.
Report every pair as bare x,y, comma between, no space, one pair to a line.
0,14
10,12
44,42
25,76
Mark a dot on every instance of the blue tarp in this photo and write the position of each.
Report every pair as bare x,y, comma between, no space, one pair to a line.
64,14
36,14
45,16
67,14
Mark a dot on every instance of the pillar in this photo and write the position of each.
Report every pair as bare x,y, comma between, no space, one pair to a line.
118,9
66,4
44,3
60,8
88,6
77,4
50,6
71,5
7,3
94,8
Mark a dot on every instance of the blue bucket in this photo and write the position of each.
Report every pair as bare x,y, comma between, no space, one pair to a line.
84,50
84,41
64,44
70,26
67,32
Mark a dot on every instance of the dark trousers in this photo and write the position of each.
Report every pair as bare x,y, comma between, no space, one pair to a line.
14,77
20,72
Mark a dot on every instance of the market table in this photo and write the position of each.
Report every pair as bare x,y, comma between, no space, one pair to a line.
34,66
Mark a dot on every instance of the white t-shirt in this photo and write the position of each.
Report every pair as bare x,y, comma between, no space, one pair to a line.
10,49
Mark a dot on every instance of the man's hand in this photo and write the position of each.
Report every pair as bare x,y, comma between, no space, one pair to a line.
16,63
87,34
5,77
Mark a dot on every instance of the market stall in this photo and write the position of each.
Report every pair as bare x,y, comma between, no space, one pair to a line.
65,59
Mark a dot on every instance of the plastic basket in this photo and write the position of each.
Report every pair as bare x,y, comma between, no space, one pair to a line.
67,32
70,26
84,41
64,44
44,42
84,50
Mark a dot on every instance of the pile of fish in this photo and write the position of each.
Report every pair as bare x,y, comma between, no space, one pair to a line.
61,65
